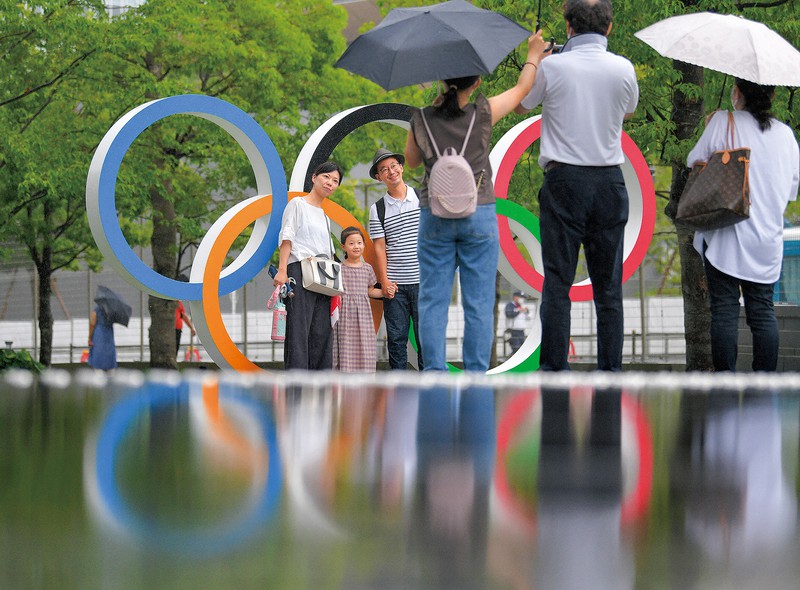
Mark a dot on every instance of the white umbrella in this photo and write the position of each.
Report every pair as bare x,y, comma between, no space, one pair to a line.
729,44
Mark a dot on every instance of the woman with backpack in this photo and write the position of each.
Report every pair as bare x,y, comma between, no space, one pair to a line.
459,239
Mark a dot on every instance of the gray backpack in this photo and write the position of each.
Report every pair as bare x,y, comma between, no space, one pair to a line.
452,191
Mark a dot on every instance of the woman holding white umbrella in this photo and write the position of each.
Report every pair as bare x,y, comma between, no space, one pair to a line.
746,257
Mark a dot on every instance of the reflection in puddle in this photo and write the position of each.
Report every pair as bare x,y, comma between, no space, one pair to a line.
214,480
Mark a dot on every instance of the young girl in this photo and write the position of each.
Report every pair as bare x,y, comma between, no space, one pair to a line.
354,341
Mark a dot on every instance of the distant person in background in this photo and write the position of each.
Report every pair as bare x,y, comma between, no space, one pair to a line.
102,351
517,316
180,317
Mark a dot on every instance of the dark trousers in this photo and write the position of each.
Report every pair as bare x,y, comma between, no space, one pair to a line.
723,294
398,313
582,205
516,339
309,337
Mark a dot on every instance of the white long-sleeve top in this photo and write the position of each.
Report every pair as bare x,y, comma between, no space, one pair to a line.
752,250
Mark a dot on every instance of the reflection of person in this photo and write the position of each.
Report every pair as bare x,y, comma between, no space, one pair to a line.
354,338
102,350
456,438
747,256
580,492
305,232
181,317
394,236
585,92
741,508
517,316
469,243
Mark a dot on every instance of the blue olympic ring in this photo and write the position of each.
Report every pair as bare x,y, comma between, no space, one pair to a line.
102,178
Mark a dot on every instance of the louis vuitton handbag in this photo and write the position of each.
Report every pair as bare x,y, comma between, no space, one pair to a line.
717,192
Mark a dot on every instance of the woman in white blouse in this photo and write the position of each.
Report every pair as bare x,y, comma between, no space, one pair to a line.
745,258
305,231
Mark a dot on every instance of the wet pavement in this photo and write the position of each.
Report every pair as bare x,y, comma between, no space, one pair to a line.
209,480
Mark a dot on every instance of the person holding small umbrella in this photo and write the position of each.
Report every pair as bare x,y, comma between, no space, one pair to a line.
109,309
468,243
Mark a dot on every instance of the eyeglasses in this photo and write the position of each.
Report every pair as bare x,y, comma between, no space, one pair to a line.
394,168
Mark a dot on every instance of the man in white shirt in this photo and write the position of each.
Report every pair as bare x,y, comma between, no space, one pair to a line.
393,226
586,92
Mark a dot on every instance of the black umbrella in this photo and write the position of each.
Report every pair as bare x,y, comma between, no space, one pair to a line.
428,43
114,307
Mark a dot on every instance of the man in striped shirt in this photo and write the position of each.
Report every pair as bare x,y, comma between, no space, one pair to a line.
393,225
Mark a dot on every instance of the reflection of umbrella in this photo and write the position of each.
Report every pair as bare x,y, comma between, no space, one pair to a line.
729,44
428,43
114,307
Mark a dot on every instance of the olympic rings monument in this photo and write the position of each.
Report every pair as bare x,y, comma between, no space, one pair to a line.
208,278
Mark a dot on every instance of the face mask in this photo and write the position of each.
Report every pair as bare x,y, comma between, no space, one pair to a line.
734,98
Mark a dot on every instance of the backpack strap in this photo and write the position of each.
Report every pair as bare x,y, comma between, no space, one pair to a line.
433,141
380,209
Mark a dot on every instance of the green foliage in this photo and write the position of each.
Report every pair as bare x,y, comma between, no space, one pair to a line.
19,359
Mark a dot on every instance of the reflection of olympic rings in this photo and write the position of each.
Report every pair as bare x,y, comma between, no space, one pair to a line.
198,542
102,178
520,422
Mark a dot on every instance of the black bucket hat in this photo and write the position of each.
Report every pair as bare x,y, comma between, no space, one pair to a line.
380,156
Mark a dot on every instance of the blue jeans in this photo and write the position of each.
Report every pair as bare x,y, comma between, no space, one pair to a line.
582,205
397,312
471,244
723,295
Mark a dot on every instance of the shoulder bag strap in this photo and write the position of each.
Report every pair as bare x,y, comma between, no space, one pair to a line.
330,237
730,132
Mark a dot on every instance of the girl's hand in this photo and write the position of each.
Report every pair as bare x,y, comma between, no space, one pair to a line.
389,289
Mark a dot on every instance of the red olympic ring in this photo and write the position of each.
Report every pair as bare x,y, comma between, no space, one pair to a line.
580,292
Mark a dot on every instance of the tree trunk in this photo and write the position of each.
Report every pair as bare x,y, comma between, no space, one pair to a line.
162,311
686,114
44,270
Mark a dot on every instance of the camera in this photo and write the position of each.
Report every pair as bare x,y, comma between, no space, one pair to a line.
556,48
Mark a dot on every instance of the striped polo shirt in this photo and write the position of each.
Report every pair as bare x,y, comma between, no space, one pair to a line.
401,225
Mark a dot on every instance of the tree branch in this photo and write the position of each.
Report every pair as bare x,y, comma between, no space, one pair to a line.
743,5
28,91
